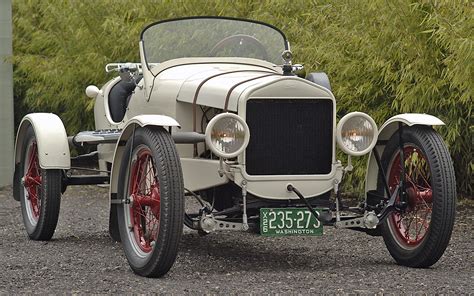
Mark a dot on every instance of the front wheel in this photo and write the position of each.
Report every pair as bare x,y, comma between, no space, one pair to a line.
418,235
151,219
40,191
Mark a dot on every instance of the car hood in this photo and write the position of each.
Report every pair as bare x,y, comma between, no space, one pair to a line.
217,85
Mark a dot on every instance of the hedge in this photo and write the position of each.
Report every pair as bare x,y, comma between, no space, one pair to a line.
383,57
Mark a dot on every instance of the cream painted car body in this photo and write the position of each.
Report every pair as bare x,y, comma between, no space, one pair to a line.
173,94
175,84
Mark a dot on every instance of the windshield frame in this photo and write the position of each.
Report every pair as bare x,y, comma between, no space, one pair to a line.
286,43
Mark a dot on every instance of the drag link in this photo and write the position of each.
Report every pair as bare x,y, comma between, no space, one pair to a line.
292,188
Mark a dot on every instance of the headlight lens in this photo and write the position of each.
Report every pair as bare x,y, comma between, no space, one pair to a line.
357,133
227,135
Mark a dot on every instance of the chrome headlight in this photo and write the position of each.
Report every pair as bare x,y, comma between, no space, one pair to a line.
227,135
357,133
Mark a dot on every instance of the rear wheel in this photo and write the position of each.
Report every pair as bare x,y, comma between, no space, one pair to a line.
40,193
151,224
418,235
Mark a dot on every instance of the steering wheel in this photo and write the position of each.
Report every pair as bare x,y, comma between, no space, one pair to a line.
239,40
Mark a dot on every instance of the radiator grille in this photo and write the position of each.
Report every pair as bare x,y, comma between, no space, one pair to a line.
289,136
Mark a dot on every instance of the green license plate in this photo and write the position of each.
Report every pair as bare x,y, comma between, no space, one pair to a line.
289,221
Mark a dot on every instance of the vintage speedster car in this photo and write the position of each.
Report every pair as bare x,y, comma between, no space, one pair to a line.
214,113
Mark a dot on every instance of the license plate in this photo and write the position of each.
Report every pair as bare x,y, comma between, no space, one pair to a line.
289,221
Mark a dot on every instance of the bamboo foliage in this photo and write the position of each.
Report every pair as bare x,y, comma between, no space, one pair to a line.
383,57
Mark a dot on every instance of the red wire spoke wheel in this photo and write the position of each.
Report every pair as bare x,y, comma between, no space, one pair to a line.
145,200
412,225
32,183
418,234
151,185
40,191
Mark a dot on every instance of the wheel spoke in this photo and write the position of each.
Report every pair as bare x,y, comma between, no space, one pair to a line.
32,181
416,224
134,177
425,223
145,208
32,157
422,175
412,224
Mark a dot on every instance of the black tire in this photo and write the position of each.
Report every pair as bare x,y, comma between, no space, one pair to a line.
419,236
152,224
40,195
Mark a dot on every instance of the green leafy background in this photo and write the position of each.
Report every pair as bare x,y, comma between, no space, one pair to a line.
383,57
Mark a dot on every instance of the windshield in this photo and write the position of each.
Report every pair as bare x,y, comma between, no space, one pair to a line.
212,37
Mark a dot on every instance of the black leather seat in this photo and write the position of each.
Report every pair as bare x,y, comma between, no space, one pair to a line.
119,98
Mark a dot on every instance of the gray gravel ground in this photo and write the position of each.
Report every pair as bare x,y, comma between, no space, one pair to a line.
82,258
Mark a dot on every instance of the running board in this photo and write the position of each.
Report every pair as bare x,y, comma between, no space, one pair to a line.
111,136
108,136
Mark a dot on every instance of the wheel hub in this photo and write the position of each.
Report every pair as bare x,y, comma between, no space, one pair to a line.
417,196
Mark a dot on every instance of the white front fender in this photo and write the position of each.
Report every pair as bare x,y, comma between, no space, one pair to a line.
385,132
130,126
51,138
391,125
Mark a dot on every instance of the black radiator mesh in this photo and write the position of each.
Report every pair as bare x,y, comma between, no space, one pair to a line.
289,136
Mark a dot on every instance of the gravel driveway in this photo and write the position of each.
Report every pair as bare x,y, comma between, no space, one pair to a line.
82,258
